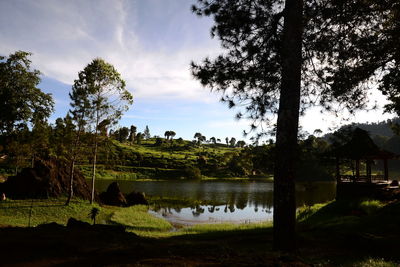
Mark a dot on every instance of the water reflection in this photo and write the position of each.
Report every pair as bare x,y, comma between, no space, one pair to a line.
234,201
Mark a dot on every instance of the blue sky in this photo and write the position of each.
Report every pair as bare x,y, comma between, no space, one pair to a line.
151,43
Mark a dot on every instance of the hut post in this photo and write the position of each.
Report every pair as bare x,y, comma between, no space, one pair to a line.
386,169
369,180
357,170
337,170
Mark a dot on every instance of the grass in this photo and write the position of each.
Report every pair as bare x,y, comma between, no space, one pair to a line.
371,262
337,233
35,212
137,219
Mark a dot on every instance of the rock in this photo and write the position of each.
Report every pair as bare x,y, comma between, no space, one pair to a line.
48,178
51,226
74,223
113,196
136,198
109,228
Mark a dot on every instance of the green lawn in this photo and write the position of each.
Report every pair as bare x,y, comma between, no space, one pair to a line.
345,233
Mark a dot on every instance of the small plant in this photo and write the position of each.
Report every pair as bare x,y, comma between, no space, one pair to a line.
370,206
93,214
193,173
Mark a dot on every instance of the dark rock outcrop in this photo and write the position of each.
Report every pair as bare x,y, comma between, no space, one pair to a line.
48,178
113,196
136,198
74,223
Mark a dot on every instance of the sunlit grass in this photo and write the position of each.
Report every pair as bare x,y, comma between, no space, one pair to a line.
138,218
203,230
29,212
371,262
305,212
35,212
224,227
370,206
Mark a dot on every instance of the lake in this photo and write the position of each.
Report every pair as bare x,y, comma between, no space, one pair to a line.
237,201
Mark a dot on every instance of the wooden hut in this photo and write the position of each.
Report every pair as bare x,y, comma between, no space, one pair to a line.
360,149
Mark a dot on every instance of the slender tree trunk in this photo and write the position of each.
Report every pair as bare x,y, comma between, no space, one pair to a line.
287,128
71,182
94,159
94,168
75,152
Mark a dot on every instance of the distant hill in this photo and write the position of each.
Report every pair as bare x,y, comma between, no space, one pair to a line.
378,128
380,132
381,129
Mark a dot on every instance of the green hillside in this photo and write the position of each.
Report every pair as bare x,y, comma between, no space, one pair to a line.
157,158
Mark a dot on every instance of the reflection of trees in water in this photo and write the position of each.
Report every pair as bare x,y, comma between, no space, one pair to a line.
233,195
177,210
242,200
309,193
197,211
261,200
231,207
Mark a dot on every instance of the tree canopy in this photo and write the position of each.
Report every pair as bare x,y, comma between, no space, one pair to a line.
21,101
282,56
99,95
344,44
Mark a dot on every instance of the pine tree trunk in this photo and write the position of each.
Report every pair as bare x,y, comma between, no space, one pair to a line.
71,182
75,153
94,167
284,232
94,156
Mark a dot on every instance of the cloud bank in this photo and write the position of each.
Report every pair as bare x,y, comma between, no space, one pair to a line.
151,43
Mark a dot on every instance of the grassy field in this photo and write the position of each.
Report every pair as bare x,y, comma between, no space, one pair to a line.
351,233
177,160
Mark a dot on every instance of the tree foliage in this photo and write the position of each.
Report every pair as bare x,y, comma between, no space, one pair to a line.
283,56
20,99
99,95
345,44
146,133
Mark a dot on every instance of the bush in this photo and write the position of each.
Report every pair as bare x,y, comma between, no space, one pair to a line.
370,206
193,173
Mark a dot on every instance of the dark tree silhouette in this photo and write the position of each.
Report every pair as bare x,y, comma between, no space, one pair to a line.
274,47
232,142
167,134
172,134
146,133
213,140
132,134
122,134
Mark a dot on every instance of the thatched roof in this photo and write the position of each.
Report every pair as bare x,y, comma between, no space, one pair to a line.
361,146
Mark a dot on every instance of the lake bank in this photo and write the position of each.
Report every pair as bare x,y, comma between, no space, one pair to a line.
188,202
328,235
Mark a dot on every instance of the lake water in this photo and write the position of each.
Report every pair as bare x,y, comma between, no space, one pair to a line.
238,201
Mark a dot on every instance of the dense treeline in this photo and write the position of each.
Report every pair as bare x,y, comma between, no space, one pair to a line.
87,137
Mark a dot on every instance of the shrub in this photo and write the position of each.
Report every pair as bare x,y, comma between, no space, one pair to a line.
193,173
370,206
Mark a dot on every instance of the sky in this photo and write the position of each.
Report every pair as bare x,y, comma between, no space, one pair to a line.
151,43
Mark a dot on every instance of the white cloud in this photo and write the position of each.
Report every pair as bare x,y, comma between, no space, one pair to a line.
66,35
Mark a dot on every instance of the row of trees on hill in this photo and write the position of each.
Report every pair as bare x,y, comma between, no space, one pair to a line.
199,138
